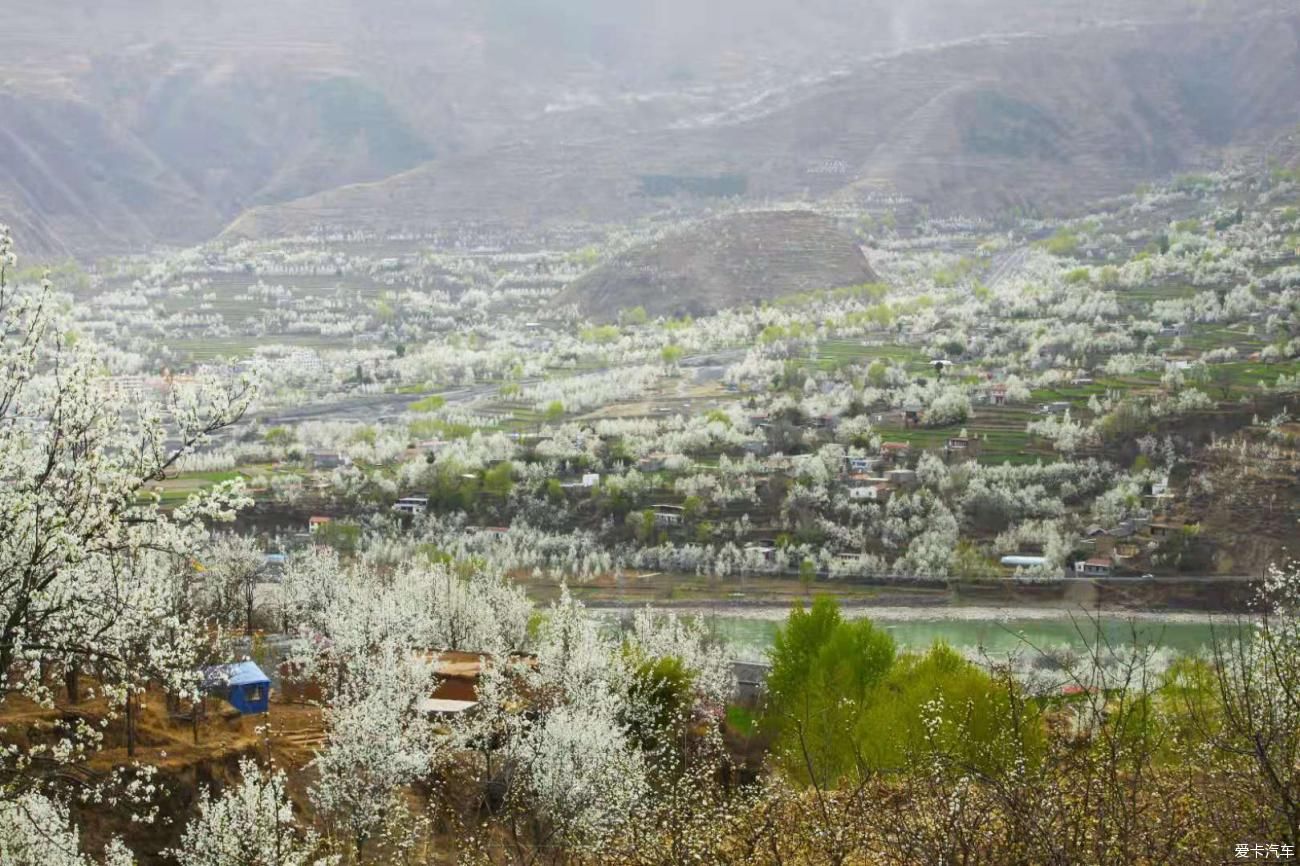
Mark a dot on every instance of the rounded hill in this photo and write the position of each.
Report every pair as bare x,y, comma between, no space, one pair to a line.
723,262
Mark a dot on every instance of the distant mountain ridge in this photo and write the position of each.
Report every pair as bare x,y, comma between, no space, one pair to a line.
1037,123
146,122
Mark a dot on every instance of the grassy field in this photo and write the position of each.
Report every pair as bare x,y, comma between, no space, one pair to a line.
179,488
834,354
212,348
999,429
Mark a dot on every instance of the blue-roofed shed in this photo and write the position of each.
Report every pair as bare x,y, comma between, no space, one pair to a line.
242,684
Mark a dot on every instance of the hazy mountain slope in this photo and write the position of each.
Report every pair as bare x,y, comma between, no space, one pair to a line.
1043,122
152,149
209,108
723,262
71,180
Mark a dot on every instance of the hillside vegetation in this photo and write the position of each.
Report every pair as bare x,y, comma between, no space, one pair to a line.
721,263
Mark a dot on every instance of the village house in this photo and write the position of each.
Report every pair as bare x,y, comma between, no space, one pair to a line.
1158,503
1163,529
901,477
325,461
652,462
858,465
1098,541
960,448
315,522
130,389
1126,550
780,463
413,505
895,452
851,563
668,515
589,480
1097,566
869,489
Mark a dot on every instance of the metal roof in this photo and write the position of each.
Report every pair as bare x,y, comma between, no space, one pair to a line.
234,674
442,706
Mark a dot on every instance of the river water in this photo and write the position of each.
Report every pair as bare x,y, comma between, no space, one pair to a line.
980,631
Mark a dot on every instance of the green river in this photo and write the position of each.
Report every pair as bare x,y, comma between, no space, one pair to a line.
979,631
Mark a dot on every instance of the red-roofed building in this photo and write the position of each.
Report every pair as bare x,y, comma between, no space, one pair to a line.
1100,566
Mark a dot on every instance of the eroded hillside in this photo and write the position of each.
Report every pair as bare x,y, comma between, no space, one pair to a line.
722,263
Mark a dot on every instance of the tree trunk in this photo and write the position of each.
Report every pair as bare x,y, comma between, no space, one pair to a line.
72,682
130,724
248,608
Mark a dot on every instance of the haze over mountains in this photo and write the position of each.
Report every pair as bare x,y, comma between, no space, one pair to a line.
279,117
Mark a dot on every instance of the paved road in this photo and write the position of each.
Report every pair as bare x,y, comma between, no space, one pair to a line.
372,407
1005,266
369,407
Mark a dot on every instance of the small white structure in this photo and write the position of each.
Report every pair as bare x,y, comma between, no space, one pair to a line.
412,505
669,515
591,479
1016,561
878,492
445,708
858,465
1097,567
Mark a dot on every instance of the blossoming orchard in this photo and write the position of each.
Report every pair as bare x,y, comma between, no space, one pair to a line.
651,541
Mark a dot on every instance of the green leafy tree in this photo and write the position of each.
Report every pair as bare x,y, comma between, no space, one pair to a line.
941,704
280,437
692,507
343,537
432,403
634,316
823,668
671,354
499,480
877,373
807,573
659,698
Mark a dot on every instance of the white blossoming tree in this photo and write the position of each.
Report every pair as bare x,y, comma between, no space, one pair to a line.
583,773
36,831
251,823
89,562
380,739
